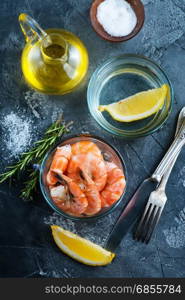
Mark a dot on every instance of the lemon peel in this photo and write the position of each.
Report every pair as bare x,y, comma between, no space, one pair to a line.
138,106
81,249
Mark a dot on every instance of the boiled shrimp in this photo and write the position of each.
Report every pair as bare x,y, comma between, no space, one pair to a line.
85,147
74,201
59,163
74,168
95,168
92,165
115,185
93,196
87,156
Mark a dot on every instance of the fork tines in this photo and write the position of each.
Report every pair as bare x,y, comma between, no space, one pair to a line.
148,223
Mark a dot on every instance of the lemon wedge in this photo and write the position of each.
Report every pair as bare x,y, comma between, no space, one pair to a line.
138,106
81,249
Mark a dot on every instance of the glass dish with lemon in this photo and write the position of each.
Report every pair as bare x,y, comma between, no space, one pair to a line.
130,96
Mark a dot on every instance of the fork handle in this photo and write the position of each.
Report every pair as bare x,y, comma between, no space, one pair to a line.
170,156
164,180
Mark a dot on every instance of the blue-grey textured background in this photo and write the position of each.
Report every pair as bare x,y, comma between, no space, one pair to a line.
26,245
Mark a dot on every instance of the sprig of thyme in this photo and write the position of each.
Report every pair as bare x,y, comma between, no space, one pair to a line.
35,156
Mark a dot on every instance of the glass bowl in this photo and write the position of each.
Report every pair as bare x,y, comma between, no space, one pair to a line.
121,77
109,153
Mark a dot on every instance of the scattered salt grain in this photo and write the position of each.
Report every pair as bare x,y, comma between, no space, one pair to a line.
17,134
175,235
95,232
36,102
39,106
117,17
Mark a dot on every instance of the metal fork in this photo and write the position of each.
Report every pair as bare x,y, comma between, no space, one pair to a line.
158,198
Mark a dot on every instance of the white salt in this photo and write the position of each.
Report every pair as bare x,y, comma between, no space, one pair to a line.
97,232
117,17
36,102
17,133
39,106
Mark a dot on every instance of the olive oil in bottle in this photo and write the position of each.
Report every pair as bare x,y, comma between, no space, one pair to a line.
54,61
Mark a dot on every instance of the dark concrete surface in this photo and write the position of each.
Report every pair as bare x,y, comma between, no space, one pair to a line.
26,245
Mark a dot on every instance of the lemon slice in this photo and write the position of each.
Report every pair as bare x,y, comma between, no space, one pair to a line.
138,106
80,248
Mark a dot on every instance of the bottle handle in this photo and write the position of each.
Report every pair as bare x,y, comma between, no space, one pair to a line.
30,27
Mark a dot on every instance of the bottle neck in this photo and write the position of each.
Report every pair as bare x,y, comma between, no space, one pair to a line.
54,49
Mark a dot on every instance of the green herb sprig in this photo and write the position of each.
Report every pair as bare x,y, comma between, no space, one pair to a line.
35,156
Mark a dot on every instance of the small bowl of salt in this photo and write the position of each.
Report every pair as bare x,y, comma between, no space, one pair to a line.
117,20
